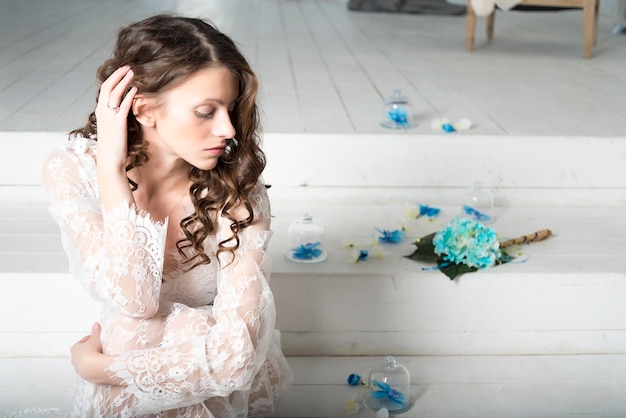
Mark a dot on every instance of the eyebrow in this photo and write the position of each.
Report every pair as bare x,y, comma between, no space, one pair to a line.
220,102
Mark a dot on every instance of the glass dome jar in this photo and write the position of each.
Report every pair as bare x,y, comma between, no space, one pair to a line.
389,385
305,240
478,203
397,112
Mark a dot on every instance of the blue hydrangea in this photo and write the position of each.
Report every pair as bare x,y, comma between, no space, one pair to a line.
465,241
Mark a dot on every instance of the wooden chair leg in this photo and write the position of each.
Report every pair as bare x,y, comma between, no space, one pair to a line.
595,23
589,17
470,26
490,22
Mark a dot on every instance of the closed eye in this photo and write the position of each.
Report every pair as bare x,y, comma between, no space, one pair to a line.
204,115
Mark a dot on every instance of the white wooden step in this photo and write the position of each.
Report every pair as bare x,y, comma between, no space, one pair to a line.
448,386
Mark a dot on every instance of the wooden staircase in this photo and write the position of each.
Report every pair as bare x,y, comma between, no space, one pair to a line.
540,338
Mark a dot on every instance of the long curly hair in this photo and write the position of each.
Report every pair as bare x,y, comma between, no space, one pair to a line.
166,49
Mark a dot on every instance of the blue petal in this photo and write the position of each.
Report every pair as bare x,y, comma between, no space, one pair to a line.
362,255
354,379
306,251
394,236
378,394
384,386
476,215
398,397
426,210
447,127
398,116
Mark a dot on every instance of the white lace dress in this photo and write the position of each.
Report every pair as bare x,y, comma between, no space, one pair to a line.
199,343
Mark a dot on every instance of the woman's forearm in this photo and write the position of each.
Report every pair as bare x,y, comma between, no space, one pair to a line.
99,366
113,187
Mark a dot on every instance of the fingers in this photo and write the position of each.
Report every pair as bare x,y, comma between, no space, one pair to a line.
95,339
96,329
113,89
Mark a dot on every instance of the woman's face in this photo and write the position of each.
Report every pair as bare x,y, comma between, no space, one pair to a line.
193,122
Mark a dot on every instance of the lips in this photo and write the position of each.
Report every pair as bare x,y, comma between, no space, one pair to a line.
215,151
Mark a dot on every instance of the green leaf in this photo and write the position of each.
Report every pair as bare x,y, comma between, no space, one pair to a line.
419,256
453,270
425,249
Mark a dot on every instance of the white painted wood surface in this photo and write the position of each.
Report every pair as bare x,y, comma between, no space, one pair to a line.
442,387
543,338
521,171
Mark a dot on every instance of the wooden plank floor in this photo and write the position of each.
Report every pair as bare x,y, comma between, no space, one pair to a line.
325,69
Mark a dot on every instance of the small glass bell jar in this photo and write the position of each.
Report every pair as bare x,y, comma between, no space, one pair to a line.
397,112
478,203
306,237
389,385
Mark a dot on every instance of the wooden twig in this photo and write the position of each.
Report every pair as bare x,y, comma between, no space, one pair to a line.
527,239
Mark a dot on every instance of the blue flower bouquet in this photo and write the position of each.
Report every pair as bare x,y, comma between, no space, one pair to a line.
466,245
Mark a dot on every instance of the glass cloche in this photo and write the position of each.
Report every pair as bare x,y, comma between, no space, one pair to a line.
306,239
478,203
389,387
397,112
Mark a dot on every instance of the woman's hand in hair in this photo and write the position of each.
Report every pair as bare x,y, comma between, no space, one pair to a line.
112,133
114,102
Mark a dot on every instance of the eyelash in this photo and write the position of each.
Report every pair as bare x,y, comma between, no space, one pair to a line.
204,115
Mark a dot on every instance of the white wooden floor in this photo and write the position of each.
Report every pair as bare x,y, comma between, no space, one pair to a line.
325,69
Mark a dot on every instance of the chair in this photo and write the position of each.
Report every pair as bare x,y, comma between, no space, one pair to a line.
590,20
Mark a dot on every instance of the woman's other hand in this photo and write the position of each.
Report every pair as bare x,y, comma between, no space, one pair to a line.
88,359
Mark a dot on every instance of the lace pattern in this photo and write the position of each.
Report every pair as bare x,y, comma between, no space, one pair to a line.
200,343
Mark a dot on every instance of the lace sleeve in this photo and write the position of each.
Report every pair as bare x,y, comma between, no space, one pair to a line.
117,256
206,353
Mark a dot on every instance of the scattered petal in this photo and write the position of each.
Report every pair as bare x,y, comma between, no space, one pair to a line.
394,236
411,212
463,124
352,405
359,255
354,379
378,252
448,127
428,211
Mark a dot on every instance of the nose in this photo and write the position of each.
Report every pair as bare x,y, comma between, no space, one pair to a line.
223,127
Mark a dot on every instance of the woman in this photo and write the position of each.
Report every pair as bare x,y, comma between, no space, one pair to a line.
166,222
